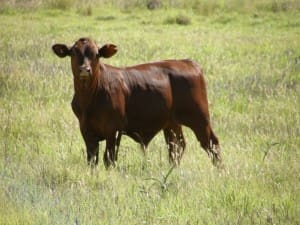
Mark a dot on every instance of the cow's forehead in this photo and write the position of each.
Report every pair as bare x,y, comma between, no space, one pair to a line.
83,43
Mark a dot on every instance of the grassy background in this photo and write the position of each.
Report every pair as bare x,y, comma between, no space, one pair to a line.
250,52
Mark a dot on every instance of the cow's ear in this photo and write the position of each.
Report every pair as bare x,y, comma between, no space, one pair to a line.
61,50
107,51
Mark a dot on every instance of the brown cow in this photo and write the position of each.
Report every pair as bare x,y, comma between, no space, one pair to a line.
139,101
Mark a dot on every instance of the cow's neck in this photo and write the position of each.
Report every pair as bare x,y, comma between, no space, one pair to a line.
85,90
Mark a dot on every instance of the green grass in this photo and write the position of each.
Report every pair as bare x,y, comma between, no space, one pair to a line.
251,60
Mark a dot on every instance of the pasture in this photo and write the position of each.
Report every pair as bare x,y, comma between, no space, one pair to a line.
250,54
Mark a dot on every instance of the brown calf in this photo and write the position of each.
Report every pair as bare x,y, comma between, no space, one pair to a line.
138,101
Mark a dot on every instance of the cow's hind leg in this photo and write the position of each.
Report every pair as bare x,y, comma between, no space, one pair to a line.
175,142
209,142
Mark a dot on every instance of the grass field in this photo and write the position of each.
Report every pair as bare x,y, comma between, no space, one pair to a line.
251,57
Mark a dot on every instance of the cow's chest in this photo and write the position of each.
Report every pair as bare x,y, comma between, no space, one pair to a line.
100,120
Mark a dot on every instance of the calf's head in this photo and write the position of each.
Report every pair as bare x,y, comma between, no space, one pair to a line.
85,56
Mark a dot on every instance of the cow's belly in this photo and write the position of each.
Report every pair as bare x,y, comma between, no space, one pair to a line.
149,109
148,112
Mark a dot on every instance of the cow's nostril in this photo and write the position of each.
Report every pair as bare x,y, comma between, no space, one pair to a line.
85,69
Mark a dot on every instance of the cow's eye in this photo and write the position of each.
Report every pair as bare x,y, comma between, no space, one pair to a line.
76,52
72,52
90,54
78,55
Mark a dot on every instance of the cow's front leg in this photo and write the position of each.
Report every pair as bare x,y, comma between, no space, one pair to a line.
92,150
109,156
92,144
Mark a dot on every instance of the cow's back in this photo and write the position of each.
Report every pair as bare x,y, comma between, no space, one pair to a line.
182,81
149,99
162,92
188,92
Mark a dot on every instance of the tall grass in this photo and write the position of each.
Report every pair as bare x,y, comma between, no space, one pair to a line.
251,65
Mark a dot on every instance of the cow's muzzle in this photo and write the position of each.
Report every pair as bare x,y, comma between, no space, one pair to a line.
85,71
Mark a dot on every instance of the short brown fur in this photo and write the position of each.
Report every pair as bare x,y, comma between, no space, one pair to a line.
138,101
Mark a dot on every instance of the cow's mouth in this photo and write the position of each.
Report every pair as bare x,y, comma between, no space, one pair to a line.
84,75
